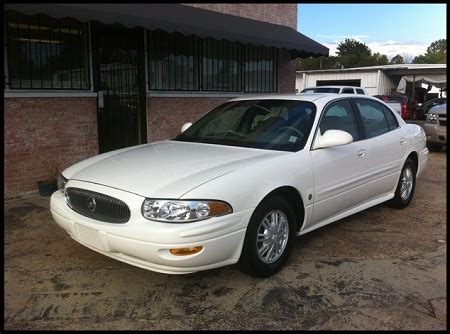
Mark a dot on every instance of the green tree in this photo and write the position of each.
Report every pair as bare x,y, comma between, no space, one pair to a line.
398,59
352,53
435,54
378,59
321,63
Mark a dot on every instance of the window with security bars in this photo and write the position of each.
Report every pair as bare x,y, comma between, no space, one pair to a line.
260,69
173,61
46,53
221,66
188,63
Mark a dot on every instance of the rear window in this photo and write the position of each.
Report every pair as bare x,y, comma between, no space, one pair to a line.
359,91
320,90
348,91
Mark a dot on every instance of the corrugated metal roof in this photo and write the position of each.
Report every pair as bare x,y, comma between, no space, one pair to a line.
384,67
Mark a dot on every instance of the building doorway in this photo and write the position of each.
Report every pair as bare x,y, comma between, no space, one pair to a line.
119,80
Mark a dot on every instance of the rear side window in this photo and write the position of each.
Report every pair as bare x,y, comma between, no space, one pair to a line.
373,117
392,121
340,116
360,91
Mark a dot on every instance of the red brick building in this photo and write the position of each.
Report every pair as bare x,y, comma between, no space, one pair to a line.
85,79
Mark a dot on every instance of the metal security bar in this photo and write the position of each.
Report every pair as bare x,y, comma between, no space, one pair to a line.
46,53
173,61
260,69
221,66
188,63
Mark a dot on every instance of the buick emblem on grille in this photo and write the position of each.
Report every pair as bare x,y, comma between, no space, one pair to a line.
91,204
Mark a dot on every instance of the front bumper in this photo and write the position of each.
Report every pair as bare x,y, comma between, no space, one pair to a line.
147,244
436,134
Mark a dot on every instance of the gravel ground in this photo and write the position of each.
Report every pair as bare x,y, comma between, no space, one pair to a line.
378,269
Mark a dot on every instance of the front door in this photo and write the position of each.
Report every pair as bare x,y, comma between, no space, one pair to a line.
340,171
119,80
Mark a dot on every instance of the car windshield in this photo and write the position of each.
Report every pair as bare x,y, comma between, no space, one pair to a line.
320,90
282,125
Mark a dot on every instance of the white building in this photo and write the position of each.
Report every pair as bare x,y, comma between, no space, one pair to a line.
377,80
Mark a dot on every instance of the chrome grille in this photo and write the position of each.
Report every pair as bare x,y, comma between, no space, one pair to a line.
97,206
442,120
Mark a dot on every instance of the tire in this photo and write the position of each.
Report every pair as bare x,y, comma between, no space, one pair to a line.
406,185
268,261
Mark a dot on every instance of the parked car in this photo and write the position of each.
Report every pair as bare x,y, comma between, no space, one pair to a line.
239,184
436,127
431,103
401,104
334,90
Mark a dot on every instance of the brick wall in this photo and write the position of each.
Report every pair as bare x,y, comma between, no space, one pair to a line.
44,133
286,72
283,14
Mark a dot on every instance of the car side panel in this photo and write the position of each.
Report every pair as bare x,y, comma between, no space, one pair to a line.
339,179
387,153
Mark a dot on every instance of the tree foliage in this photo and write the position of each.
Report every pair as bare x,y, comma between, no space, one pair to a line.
435,54
350,53
397,59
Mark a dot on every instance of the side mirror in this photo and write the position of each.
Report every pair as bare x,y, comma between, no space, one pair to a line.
333,138
185,126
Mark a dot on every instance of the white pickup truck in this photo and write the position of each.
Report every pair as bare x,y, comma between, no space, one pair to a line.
396,103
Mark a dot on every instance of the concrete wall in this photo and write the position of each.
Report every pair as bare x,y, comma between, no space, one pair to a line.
282,14
43,136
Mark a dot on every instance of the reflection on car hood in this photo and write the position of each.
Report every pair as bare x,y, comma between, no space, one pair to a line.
165,169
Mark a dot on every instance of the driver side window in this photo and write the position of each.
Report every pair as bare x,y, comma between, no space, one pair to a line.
339,115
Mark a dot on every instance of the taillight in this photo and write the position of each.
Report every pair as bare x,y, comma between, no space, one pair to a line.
405,111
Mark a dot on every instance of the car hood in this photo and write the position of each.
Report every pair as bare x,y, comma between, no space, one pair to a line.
166,169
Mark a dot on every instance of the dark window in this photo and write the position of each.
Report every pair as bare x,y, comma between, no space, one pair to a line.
347,82
260,69
359,91
392,121
188,63
46,53
339,115
348,91
221,66
173,61
373,117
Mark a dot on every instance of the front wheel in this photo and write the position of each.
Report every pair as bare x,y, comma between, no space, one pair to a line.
269,238
405,186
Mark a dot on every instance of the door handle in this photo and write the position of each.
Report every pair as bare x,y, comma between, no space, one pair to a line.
362,153
402,141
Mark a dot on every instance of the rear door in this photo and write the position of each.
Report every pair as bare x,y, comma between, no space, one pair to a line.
386,144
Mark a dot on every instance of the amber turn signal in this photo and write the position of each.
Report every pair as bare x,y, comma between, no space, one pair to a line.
186,251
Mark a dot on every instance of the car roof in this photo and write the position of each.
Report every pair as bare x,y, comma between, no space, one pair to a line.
323,97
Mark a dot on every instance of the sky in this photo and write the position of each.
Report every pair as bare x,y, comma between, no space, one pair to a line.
390,29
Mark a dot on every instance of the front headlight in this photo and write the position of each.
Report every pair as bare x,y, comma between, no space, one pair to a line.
177,211
432,118
61,183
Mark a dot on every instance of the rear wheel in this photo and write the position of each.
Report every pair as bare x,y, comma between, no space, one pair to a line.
406,185
269,238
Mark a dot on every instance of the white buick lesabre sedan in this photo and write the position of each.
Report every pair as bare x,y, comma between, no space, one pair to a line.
238,185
